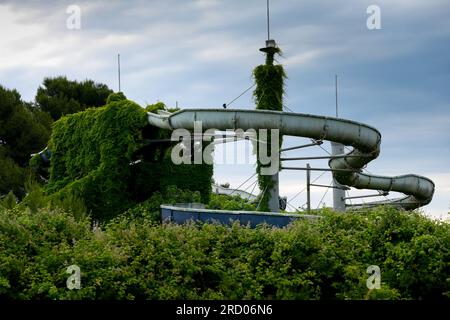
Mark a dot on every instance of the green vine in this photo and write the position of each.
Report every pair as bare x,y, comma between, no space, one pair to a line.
107,157
268,95
91,155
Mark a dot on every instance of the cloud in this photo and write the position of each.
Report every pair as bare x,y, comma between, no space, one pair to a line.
304,58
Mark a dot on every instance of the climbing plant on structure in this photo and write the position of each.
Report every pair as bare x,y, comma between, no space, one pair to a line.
107,157
268,95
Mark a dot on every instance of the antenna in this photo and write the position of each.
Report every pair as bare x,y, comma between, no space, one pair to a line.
118,67
268,21
336,89
271,46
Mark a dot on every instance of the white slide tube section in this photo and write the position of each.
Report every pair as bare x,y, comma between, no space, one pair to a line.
364,139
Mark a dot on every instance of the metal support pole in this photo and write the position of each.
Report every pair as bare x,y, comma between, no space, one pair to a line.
322,157
268,21
118,68
274,202
384,194
308,188
317,143
319,169
338,191
324,186
336,89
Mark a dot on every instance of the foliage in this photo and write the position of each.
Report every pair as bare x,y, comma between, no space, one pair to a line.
119,96
59,96
12,176
36,162
101,156
94,149
25,127
91,155
153,108
157,172
70,203
9,201
33,247
132,257
20,131
40,167
150,208
225,202
268,95
23,131
35,198
269,87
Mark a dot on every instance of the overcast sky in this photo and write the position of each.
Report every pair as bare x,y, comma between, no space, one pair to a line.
201,54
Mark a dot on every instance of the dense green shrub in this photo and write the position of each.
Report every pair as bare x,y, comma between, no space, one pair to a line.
9,201
12,176
233,202
149,209
136,258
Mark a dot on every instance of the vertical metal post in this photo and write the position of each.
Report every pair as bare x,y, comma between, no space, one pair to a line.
268,21
273,191
338,193
308,188
118,67
337,149
274,201
336,89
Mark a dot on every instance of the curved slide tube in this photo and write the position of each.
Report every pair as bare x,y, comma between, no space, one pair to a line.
364,139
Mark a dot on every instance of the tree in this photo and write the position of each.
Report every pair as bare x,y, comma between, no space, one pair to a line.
23,130
59,96
11,175
25,127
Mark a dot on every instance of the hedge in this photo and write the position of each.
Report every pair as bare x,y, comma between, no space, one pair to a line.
134,257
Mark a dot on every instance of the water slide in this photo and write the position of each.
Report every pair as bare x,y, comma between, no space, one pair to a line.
347,169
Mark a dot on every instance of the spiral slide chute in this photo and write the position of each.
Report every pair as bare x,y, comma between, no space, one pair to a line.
364,139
